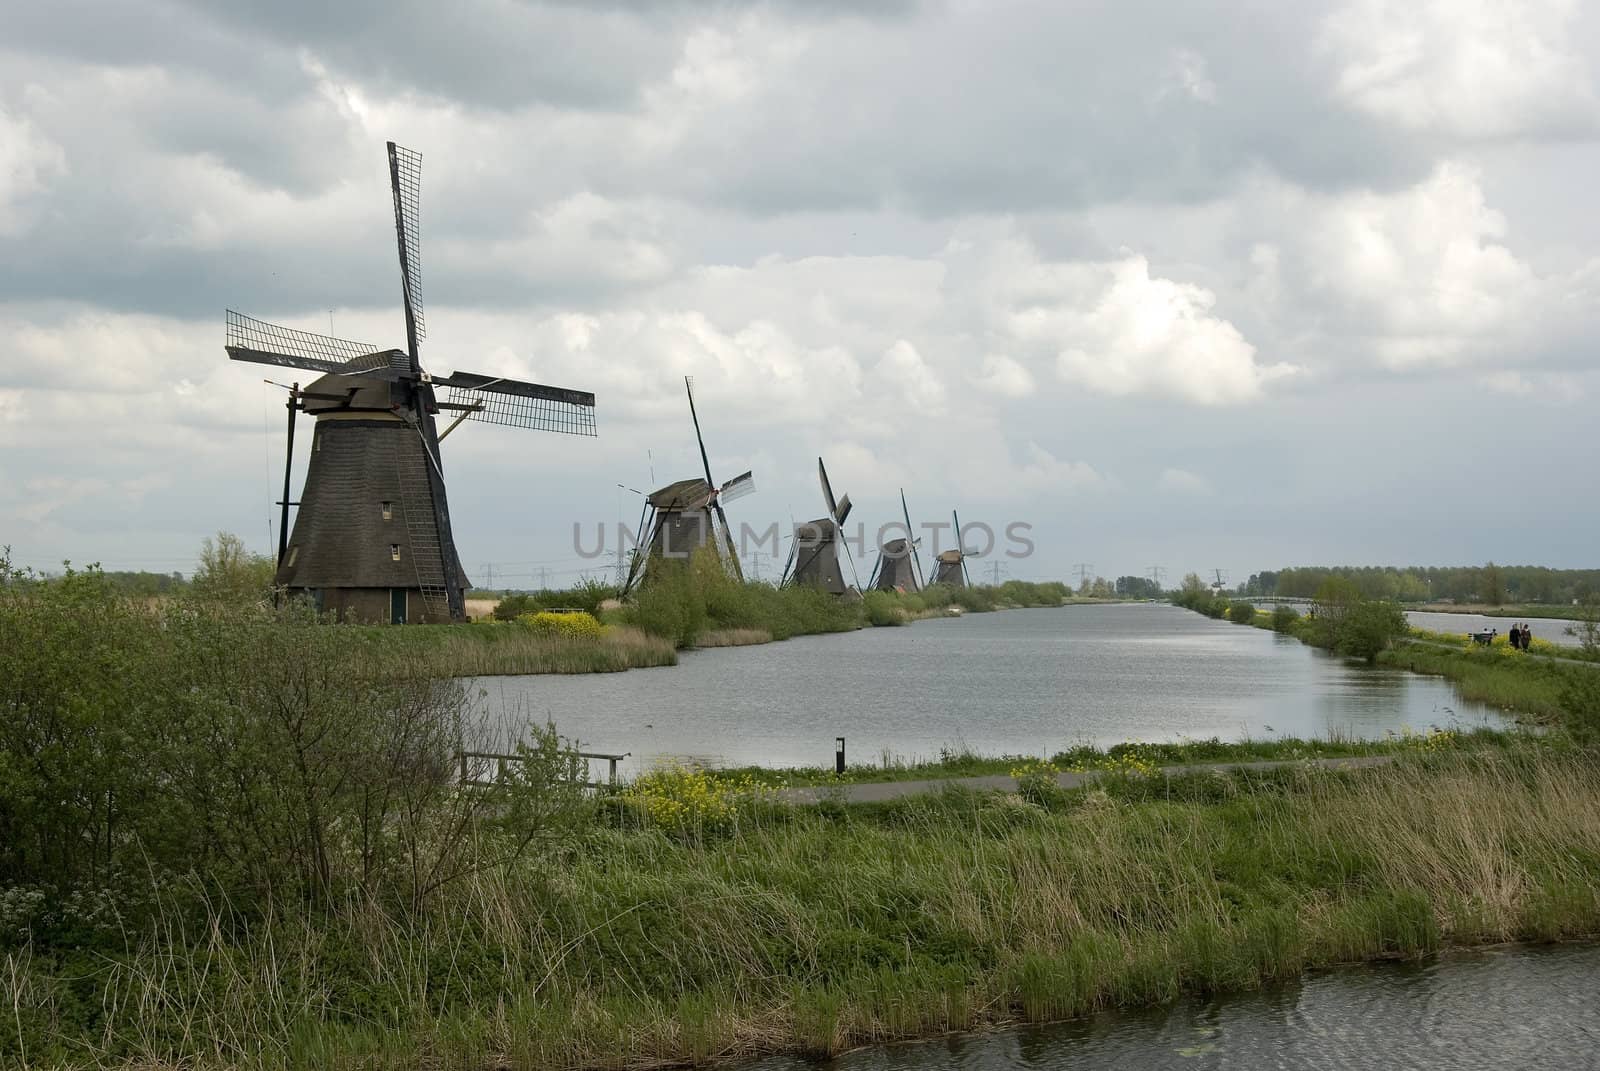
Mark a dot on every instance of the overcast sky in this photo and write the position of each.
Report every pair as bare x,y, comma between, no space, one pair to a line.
1199,286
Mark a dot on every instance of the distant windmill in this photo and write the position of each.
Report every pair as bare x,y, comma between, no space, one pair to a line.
683,516
951,565
899,568
372,540
814,557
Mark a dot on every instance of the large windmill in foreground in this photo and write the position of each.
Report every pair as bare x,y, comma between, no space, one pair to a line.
814,557
372,540
899,568
684,516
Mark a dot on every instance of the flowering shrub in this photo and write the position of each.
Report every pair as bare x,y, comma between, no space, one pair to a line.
1432,740
1036,780
1128,759
684,800
576,626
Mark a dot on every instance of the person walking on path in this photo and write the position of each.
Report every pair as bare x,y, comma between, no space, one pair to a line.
1515,636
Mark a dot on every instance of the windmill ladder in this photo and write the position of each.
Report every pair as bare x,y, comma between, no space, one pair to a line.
416,505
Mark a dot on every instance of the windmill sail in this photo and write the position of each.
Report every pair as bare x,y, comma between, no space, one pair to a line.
405,183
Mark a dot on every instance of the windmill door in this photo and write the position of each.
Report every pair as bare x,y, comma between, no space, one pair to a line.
397,606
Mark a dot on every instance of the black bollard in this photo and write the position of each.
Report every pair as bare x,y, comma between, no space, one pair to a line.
838,755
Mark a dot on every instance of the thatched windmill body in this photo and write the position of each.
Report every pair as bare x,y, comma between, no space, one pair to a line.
899,568
685,516
372,540
814,556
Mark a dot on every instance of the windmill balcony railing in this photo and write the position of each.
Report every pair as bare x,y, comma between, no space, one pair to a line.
487,769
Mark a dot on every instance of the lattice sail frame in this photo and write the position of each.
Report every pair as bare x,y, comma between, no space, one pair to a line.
736,488
515,404
250,339
407,182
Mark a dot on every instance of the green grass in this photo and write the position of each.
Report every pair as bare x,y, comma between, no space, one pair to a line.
816,930
491,648
958,764
1531,610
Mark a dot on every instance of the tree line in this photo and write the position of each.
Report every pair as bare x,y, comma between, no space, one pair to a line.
1496,585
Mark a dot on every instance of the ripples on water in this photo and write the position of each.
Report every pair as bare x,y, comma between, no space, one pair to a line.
1016,682
1502,1009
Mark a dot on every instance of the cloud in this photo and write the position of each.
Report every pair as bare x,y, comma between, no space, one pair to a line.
1123,332
1184,482
1417,278
28,162
1474,68
1001,375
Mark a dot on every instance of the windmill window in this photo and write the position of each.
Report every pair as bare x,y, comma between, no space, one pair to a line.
394,551
388,511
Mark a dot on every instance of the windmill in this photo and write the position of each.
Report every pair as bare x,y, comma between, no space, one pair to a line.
372,540
951,566
899,568
684,515
814,556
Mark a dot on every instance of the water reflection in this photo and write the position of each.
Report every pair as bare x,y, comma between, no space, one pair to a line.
1018,682
1501,1009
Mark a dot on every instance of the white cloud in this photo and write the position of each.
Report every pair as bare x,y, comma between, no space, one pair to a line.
1188,73
1003,376
1184,482
1123,332
1418,277
1473,68
902,377
28,161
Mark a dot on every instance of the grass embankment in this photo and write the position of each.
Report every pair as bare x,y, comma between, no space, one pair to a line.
1119,758
759,928
490,648
1525,686
1531,610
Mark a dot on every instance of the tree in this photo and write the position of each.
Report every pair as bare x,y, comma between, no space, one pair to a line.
229,573
1492,585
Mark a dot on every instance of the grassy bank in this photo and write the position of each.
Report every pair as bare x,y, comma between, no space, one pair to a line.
759,928
1117,758
1559,612
490,648
1525,686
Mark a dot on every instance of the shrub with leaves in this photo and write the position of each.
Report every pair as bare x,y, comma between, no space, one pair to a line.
581,626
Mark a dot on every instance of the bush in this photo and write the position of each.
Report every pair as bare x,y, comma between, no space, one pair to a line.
1284,617
286,760
882,608
1366,629
1242,613
573,626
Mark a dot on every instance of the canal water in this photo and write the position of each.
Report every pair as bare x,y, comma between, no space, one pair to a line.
1506,1009
1017,682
